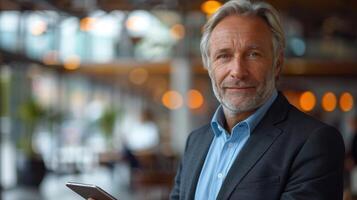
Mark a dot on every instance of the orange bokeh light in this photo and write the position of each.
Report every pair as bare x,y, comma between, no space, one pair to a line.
346,101
307,101
172,99
329,101
177,31
87,23
210,7
195,99
72,63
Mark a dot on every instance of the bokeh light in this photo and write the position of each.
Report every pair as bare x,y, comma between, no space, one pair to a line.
138,76
346,101
177,31
307,101
139,23
329,101
38,28
195,99
72,62
172,100
210,7
87,23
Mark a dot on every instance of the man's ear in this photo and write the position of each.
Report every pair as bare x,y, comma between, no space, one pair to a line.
279,64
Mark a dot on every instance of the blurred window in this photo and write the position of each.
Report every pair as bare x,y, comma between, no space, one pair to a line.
9,23
105,34
68,30
37,36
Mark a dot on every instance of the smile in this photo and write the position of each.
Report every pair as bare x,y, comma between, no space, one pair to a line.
239,89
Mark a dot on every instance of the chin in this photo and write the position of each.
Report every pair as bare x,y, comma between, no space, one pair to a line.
241,106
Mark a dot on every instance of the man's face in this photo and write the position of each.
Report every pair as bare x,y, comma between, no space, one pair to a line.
241,55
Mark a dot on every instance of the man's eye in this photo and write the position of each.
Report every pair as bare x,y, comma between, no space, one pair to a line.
253,54
223,56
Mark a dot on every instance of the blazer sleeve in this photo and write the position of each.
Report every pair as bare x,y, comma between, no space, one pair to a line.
317,170
175,192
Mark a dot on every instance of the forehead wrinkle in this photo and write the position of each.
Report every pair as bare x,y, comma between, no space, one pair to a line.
240,35
223,40
231,40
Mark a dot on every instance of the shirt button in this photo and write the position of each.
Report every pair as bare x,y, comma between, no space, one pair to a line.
220,175
230,145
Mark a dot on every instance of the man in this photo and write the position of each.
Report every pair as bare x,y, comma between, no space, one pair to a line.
257,145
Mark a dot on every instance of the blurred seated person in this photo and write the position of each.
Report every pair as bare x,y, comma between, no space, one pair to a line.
140,140
142,136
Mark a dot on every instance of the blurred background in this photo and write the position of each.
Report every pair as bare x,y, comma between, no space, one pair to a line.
107,91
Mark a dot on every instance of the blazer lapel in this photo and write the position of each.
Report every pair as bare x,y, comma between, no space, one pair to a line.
258,143
197,159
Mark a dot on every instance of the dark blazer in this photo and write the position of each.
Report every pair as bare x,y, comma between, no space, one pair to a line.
289,156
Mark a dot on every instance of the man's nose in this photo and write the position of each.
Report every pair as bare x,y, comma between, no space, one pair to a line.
238,68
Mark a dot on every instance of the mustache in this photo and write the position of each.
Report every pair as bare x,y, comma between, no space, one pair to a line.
238,84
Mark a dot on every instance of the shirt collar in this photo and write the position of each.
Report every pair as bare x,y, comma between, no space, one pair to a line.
218,119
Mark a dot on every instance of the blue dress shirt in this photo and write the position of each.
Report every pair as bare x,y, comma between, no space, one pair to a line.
224,149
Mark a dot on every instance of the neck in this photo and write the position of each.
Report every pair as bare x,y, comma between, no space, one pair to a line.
234,118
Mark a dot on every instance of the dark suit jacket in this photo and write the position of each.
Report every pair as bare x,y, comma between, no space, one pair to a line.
289,156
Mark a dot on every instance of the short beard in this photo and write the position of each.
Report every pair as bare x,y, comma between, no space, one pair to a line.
263,93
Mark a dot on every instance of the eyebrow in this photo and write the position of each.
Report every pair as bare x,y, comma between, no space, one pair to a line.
229,50
223,50
253,46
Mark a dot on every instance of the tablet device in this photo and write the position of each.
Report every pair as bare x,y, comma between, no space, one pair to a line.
90,191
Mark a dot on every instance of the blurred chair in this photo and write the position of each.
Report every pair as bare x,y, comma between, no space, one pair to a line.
154,176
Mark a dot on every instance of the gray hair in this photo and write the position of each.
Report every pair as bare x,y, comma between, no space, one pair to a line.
244,7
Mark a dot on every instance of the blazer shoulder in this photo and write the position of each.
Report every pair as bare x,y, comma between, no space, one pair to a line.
303,119
305,125
201,131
